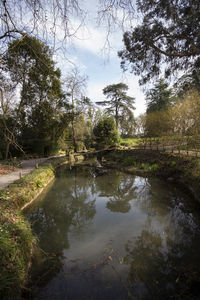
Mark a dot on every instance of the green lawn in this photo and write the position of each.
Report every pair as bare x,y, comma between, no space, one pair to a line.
130,142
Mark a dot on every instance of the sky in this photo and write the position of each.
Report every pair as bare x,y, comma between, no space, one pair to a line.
101,67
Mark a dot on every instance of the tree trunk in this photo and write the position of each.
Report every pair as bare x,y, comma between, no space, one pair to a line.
7,149
74,136
116,117
73,125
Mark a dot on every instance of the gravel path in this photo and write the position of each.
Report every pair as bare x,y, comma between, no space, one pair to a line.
27,167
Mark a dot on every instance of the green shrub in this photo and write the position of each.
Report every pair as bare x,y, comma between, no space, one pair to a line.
153,167
129,161
145,166
172,163
106,133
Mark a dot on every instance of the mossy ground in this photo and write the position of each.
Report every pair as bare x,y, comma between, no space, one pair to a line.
16,239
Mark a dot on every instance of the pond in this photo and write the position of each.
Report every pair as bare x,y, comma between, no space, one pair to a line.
115,236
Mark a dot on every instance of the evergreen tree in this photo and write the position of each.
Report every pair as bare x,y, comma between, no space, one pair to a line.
159,97
119,104
168,35
41,112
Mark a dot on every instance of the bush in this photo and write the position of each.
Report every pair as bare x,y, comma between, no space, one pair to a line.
129,161
106,133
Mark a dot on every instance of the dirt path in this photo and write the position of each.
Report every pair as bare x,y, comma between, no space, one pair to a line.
27,167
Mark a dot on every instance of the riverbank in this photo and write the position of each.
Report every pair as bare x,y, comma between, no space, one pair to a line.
180,170
16,239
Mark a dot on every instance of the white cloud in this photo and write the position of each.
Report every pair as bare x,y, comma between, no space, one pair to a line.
95,91
92,39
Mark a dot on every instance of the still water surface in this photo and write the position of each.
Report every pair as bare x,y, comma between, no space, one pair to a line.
115,236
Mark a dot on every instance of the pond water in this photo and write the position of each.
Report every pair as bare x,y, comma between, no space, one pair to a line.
115,236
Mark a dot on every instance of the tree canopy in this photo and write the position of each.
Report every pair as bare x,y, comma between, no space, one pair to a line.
119,104
40,113
159,97
168,36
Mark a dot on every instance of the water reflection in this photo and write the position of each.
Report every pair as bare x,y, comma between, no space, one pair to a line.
162,262
67,204
121,194
116,236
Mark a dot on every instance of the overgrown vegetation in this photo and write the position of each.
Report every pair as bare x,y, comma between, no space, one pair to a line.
16,239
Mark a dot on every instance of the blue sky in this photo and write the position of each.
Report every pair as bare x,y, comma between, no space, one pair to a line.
100,64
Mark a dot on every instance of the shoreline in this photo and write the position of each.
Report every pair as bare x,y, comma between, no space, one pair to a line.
15,198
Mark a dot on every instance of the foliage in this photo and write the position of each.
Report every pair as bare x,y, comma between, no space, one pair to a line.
168,35
158,124
106,133
185,114
129,161
16,242
159,97
41,115
119,105
188,82
158,119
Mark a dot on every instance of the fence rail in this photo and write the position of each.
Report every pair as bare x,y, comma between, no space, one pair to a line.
187,146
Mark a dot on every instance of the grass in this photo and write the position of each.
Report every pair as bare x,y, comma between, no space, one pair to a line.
16,244
16,239
181,142
130,142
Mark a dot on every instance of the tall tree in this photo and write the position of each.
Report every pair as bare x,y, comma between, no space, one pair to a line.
167,36
159,100
119,103
159,97
40,111
75,84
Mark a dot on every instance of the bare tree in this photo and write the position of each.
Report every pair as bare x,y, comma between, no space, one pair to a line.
41,18
59,20
75,84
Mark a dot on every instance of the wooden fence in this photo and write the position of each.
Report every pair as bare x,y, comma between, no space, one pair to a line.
189,145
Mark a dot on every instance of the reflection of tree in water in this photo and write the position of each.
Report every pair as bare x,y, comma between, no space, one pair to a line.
83,210
156,197
165,263
68,203
148,267
120,190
